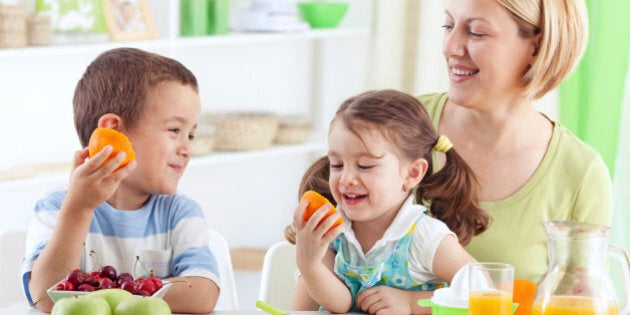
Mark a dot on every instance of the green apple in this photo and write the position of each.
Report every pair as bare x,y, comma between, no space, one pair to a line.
81,306
143,306
112,296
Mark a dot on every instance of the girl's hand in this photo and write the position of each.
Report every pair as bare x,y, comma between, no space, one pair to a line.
313,237
92,182
385,300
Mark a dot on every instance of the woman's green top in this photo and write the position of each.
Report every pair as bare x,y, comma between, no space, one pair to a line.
571,183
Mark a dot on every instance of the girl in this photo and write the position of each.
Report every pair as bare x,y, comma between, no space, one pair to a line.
389,249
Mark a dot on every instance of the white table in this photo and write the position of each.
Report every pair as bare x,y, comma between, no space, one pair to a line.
24,310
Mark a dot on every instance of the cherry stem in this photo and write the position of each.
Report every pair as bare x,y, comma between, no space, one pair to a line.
138,261
96,260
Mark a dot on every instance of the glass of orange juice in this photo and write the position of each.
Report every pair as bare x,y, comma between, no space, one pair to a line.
490,289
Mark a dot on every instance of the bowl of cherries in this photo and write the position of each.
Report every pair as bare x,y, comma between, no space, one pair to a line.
79,282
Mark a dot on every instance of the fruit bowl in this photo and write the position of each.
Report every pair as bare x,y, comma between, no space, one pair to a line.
56,295
322,14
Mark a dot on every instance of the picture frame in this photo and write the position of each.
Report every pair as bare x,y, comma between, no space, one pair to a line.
128,20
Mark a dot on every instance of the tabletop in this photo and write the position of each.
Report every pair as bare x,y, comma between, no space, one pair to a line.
22,310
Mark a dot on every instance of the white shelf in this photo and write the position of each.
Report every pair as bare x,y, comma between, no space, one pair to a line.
213,158
184,42
274,151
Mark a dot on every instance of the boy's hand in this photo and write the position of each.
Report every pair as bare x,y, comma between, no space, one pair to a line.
92,182
313,237
383,300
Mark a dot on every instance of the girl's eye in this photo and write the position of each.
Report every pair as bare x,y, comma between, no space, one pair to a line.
365,167
174,130
336,166
191,137
474,34
447,27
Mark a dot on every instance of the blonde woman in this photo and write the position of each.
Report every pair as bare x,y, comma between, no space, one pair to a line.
500,56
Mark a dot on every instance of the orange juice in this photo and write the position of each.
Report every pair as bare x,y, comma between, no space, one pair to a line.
490,303
574,305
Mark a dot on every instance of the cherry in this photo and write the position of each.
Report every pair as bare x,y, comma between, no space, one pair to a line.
90,280
130,286
157,281
106,283
76,277
108,271
86,287
64,286
141,293
148,286
124,277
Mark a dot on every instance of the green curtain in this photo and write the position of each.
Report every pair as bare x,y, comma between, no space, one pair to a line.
595,105
590,99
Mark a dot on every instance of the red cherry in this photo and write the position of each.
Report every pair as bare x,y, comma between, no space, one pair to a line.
106,283
76,277
64,286
141,293
148,286
109,272
94,273
86,287
157,281
130,286
124,277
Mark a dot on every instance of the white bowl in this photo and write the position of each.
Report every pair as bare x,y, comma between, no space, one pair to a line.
56,295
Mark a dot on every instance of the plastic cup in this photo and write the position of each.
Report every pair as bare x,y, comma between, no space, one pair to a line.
490,289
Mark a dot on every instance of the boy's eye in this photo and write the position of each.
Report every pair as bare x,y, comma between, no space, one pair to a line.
191,137
175,130
474,34
365,167
336,166
447,27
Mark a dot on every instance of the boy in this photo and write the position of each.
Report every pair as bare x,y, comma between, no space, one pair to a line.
121,213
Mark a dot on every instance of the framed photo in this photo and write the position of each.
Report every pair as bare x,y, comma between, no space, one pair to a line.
129,19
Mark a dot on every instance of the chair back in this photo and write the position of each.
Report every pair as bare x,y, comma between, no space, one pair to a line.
12,251
279,274
228,298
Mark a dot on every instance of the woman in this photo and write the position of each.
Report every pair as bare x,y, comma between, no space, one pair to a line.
501,55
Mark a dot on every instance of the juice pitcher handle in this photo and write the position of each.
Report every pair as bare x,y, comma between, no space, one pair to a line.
624,260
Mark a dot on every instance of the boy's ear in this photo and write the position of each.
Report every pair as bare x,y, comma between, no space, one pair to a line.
415,173
110,120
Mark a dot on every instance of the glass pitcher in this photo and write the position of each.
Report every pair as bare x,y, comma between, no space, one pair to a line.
577,280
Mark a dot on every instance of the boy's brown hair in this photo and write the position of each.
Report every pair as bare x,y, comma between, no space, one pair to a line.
118,82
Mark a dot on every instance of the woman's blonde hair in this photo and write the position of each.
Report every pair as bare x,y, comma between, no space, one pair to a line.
562,27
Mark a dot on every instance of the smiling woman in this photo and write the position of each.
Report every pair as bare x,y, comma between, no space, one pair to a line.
530,167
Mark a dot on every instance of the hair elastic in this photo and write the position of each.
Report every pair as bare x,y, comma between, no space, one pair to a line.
443,144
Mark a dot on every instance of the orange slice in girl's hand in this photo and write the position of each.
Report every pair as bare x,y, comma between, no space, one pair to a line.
102,137
316,201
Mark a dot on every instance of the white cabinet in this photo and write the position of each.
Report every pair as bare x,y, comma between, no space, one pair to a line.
248,196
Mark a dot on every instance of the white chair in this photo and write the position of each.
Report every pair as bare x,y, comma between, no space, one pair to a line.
228,298
279,273
12,247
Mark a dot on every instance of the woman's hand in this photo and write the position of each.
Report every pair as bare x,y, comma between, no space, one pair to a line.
313,237
92,182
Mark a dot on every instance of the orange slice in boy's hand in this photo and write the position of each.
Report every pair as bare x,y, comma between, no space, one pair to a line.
524,293
316,201
102,137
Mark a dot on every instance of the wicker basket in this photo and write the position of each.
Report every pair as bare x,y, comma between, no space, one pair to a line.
293,129
204,140
39,30
12,26
243,130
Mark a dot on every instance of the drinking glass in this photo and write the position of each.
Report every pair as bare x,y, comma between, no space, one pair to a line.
490,288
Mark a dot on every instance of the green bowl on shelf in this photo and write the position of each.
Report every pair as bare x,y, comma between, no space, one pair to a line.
323,14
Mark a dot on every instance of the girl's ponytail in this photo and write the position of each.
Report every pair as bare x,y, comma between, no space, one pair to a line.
451,194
